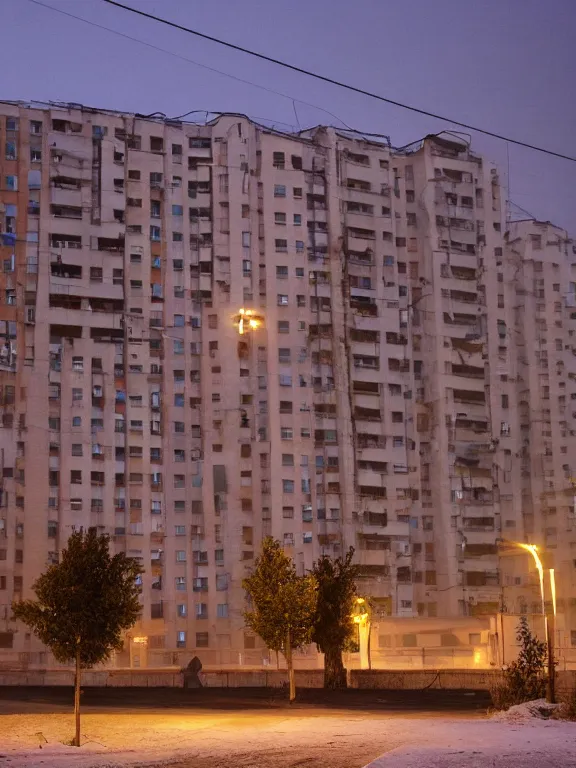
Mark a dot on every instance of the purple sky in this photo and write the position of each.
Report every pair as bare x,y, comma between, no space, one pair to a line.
506,65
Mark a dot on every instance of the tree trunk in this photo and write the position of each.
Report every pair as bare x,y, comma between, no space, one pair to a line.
288,655
334,671
77,700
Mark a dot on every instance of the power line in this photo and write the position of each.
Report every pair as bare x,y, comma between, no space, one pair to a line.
338,83
197,64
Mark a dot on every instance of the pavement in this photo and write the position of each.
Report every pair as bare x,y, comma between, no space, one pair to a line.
254,728
430,703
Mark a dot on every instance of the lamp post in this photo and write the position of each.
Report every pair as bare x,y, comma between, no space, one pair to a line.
362,618
549,622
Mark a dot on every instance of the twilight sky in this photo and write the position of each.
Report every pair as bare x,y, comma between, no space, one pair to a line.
505,65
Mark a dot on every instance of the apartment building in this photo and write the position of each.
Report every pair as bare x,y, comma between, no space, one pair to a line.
213,333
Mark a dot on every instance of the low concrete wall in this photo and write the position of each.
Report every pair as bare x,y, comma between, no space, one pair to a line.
305,678
381,679
111,678
417,679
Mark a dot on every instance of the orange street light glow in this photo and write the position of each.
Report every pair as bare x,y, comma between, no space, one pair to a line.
247,320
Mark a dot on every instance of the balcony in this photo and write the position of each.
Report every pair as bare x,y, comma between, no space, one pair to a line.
469,397
109,244
367,414
364,306
372,491
477,550
468,371
65,271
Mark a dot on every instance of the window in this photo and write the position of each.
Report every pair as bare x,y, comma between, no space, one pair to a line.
282,300
299,246
278,159
180,583
288,486
155,233
76,421
280,218
283,326
202,640
297,220
286,433
297,192
281,246
279,190
222,611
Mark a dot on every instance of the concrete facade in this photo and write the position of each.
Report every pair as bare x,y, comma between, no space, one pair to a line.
385,399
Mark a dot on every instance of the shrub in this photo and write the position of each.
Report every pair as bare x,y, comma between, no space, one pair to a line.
525,679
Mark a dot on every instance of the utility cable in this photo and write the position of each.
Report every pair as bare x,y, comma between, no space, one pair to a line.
197,64
338,83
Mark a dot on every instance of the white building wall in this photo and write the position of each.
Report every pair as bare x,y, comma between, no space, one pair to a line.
386,401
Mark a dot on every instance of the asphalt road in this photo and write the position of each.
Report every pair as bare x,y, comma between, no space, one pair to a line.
310,702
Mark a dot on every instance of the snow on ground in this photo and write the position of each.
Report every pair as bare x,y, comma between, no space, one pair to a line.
538,744
286,739
523,713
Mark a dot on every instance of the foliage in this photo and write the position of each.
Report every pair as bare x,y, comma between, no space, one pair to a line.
525,679
333,622
334,628
281,601
85,601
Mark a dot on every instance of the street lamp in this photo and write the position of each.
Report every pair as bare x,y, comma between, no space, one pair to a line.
361,617
247,320
549,630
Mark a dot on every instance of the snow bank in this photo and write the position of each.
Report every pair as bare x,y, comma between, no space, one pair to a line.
538,709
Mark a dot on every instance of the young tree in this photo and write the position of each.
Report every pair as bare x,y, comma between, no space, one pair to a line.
83,604
334,621
525,678
283,603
